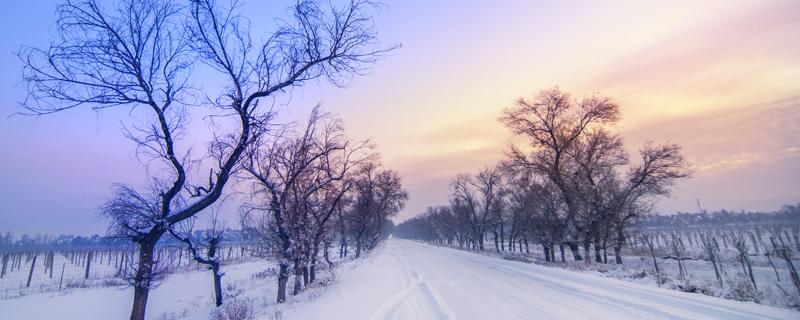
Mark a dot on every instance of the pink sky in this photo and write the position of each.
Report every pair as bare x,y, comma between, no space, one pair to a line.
718,77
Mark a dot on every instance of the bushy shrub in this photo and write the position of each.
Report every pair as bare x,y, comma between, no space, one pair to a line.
234,307
741,289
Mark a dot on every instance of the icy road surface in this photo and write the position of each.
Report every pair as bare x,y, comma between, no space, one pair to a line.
410,280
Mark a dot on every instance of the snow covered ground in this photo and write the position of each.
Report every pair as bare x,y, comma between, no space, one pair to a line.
407,280
410,280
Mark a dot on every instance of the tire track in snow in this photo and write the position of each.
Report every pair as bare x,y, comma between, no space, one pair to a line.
410,280
418,296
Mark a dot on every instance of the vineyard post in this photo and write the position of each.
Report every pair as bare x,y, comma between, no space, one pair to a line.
62,276
5,263
30,274
88,264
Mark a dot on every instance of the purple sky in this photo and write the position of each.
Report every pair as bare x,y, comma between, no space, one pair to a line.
718,77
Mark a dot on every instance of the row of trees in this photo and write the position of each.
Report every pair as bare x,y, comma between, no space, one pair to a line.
311,186
572,184
144,54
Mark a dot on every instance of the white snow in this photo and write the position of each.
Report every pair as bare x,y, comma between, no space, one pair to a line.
410,280
407,280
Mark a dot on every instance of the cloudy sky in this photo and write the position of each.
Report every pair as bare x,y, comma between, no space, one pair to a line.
718,77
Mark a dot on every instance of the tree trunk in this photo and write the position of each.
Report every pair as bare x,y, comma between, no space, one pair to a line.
618,246
298,275
576,251
144,274
561,248
587,247
326,255
546,252
217,284
596,231
305,276
527,249
283,278
503,239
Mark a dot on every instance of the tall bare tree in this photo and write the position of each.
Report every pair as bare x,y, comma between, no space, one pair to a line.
599,154
299,180
554,124
660,168
141,54
378,196
477,199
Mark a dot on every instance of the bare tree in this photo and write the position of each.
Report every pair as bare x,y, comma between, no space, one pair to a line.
660,168
378,196
598,155
648,241
573,182
740,244
141,54
783,251
711,248
554,124
477,199
299,180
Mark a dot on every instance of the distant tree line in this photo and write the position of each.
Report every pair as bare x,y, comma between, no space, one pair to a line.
787,215
8,241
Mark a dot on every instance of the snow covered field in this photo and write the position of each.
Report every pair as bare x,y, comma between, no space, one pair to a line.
406,280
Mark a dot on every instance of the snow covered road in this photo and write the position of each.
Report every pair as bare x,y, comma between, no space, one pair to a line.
406,280
410,280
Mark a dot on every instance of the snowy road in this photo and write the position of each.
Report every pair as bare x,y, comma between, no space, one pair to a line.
409,280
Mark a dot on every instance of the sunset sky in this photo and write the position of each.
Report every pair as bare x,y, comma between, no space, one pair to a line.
721,78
